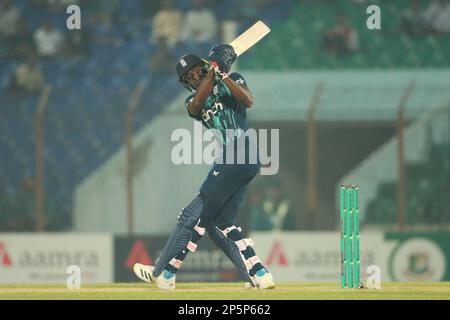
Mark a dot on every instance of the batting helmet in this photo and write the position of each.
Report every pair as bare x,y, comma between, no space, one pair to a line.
186,63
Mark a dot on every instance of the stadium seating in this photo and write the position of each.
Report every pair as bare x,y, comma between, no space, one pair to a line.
84,119
308,20
83,124
427,190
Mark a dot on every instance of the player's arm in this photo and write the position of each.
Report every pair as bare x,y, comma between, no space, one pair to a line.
222,57
241,93
204,90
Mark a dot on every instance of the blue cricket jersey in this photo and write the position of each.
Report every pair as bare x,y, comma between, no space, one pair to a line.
221,111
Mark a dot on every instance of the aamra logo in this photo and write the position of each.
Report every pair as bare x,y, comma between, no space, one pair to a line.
5,260
277,255
139,254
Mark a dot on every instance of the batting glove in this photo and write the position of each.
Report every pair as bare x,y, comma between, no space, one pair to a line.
222,57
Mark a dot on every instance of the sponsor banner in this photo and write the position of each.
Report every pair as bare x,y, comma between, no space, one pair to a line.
44,258
207,263
315,256
312,256
419,256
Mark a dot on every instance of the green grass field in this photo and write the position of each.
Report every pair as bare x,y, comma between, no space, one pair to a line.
228,291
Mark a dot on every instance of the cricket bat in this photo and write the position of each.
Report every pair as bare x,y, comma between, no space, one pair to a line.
249,37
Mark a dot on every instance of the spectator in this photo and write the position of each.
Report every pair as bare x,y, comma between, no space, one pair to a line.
442,23
431,13
437,17
162,61
271,210
48,40
200,24
167,23
27,78
9,19
412,21
342,39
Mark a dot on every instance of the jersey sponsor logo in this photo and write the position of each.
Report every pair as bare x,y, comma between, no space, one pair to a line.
210,113
240,81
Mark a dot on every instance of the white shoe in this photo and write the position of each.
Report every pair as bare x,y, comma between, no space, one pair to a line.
145,273
264,281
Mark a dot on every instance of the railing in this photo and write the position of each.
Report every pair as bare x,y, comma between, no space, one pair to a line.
39,178
134,101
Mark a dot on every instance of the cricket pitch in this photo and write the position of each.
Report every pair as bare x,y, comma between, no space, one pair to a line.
228,291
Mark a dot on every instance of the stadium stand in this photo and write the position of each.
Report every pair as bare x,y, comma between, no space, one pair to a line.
84,117
83,91
427,191
387,48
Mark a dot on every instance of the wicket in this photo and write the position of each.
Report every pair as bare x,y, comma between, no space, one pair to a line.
349,242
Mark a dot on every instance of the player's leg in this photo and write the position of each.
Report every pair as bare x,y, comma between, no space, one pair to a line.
239,249
183,239
192,222
203,217
216,190
221,184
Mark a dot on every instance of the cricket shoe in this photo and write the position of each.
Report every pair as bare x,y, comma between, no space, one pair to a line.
165,280
263,280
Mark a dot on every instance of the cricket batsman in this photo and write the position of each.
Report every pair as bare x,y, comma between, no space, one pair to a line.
220,101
